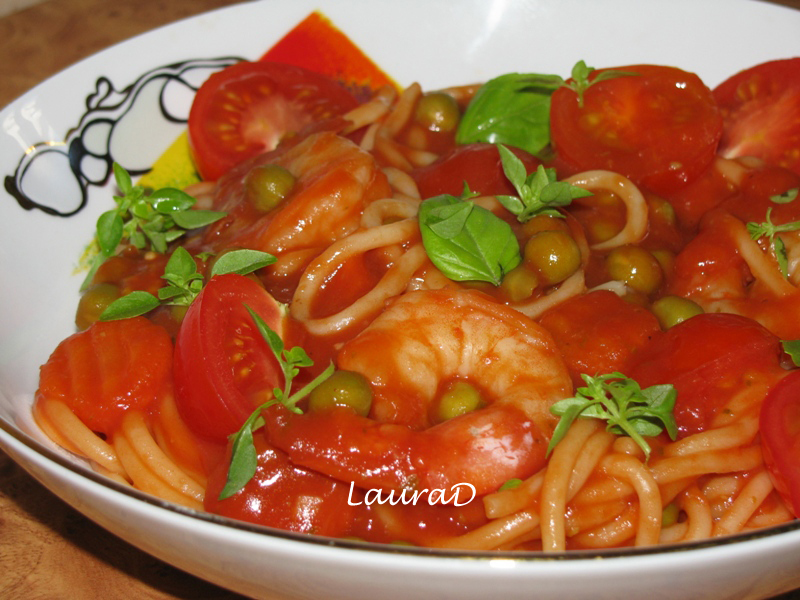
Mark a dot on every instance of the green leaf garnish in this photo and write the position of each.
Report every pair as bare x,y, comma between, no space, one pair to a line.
467,242
184,282
538,193
510,484
619,400
786,197
148,221
769,230
244,459
792,348
511,109
241,261
131,305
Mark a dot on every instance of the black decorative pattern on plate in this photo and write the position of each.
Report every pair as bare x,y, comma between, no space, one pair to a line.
54,176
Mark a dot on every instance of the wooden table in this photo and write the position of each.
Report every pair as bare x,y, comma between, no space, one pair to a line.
47,550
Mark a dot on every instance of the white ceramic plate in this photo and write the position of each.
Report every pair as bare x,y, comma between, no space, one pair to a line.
125,104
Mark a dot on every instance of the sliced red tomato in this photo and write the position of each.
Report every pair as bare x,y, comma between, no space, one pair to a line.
761,113
283,495
779,425
223,366
107,369
478,165
659,127
708,358
599,332
247,108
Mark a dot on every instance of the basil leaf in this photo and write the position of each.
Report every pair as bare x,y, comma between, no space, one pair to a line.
194,219
511,109
242,261
477,245
168,200
131,305
169,292
180,265
449,220
244,458
123,179
109,232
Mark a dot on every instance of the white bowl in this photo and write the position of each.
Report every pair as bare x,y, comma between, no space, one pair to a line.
437,43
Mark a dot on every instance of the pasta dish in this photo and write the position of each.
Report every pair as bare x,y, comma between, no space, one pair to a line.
535,313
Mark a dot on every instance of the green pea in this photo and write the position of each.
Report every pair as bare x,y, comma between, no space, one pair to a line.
553,255
661,209
438,111
541,223
519,283
266,186
93,302
671,310
343,388
460,398
670,514
637,267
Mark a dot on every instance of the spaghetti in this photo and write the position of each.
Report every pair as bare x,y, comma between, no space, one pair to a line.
363,292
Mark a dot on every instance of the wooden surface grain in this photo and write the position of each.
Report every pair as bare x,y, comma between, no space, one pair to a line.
47,550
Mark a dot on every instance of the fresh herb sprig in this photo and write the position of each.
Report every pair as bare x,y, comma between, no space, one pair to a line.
184,281
538,193
627,408
769,230
148,221
244,458
467,242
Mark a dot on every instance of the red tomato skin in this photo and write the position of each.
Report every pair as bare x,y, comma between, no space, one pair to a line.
707,358
284,496
478,165
709,263
779,425
223,367
108,369
599,332
660,127
247,108
760,107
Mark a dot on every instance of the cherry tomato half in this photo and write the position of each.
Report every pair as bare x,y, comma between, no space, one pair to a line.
708,358
659,127
599,332
223,366
247,108
761,113
779,424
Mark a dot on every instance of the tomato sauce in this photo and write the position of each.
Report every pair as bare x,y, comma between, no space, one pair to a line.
697,204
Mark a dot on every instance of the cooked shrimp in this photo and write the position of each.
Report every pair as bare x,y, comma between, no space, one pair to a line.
334,181
422,343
